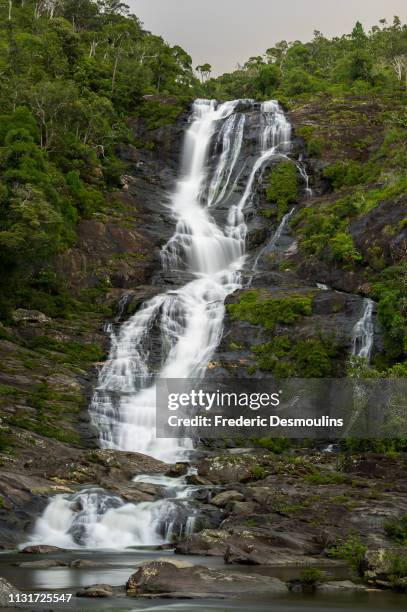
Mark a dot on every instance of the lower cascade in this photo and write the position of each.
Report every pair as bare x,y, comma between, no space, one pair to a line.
211,254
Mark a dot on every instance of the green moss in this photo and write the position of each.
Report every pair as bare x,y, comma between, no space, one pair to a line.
73,352
45,427
326,478
269,312
282,188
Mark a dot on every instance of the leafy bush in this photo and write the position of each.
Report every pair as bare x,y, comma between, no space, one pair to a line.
351,550
396,529
268,312
343,248
344,173
310,358
311,576
282,187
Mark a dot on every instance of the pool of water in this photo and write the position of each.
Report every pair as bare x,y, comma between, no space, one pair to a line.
115,568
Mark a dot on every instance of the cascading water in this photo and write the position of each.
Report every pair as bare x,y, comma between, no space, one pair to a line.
269,248
363,332
189,319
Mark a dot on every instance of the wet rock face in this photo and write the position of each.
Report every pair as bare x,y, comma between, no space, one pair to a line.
334,315
197,581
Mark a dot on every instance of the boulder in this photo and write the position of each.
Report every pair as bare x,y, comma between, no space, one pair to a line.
340,586
163,578
209,542
379,564
198,481
43,564
177,470
30,316
42,549
6,589
97,591
83,563
222,499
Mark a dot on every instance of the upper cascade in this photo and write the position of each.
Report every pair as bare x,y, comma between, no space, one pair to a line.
213,253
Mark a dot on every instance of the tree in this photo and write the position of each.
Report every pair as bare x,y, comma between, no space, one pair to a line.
204,71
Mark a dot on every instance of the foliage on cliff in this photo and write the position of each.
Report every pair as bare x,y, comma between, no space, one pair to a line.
357,62
70,72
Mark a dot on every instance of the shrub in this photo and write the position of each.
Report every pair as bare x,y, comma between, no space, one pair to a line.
344,173
351,550
343,248
258,472
311,576
282,188
310,358
270,312
396,529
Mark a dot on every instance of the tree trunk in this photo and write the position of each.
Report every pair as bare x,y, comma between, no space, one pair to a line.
116,63
10,9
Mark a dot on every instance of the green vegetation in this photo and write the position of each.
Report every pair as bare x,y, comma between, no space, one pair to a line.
258,310
70,74
396,529
326,478
45,426
257,472
311,576
351,550
73,352
360,62
282,189
310,358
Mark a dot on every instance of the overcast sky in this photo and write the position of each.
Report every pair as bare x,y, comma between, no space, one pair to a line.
225,32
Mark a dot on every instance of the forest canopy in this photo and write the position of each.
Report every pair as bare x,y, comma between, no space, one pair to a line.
71,71
357,62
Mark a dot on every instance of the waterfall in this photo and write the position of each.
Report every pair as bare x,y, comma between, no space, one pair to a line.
269,248
96,519
174,334
190,318
363,332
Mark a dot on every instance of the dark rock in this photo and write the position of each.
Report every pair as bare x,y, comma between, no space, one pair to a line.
224,498
42,549
199,481
84,563
340,586
97,591
177,470
46,564
162,578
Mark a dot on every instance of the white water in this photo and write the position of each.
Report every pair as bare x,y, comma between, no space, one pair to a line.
363,332
95,519
190,318
270,247
177,331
